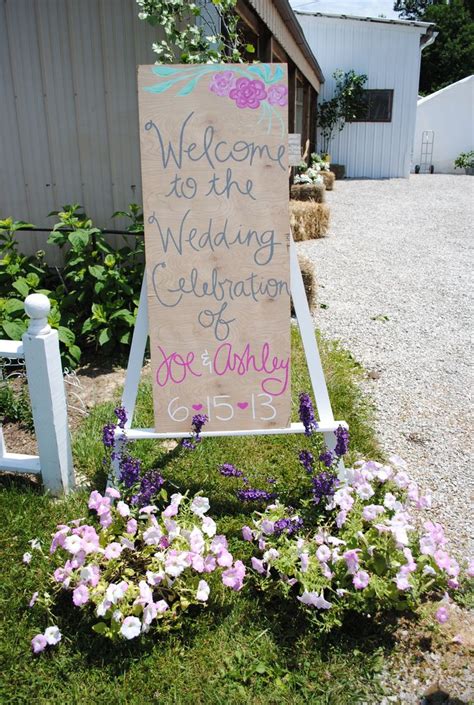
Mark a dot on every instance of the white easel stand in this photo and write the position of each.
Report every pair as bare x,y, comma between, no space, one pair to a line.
326,425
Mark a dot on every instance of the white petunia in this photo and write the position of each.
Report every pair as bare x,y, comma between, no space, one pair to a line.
202,591
209,526
131,627
52,635
200,505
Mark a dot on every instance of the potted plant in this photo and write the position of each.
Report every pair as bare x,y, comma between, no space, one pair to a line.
465,161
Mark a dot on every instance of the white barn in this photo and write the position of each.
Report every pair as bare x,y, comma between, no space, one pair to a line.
389,52
449,115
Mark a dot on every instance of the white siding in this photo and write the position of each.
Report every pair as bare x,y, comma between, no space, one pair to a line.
390,56
69,120
450,114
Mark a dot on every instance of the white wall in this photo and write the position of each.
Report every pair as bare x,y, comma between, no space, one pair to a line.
449,113
390,56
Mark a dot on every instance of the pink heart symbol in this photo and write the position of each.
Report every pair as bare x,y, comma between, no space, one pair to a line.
197,407
242,404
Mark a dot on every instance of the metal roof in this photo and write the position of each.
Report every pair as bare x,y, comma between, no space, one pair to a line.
382,20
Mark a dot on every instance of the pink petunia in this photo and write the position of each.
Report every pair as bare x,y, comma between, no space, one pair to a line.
360,580
38,643
80,595
442,615
234,577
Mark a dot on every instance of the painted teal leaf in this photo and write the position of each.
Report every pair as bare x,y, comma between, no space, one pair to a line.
258,70
164,70
161,87
189,87
277,76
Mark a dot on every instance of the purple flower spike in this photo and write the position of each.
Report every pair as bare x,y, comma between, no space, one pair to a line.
228,470
323,486
198,422
327,458
307,414
342,443
108,435
250,494
121,415
150,485
306,459
129,470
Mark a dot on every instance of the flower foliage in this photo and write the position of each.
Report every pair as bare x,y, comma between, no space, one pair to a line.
137,569
204,32
352,544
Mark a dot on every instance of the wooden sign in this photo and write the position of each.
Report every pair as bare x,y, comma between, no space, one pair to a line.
215,192
294,149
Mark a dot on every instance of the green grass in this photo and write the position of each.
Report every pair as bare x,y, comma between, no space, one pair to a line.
242,649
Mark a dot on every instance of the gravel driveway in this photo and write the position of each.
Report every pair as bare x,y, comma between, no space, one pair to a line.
395,274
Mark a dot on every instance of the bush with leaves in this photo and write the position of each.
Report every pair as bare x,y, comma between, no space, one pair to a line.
346,104
20,276
100,285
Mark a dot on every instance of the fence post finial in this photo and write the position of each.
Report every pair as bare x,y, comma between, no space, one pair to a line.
37,307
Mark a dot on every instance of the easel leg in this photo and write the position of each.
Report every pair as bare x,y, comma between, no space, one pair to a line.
137,354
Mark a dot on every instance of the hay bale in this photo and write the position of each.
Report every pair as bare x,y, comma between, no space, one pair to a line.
308,272
339,171
308,192
329,178
308,220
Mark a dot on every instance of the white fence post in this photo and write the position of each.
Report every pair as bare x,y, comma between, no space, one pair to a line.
48,397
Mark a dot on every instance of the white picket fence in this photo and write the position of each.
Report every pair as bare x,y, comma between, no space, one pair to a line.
40,350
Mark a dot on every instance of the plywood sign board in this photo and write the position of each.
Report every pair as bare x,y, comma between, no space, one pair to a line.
215,190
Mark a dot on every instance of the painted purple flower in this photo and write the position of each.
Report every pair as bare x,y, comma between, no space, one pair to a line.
222,83
277,94
248,93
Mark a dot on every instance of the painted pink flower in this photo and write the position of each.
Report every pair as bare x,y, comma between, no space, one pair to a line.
361,579
80,595
248,93
278,94
442,615
38,643
222,83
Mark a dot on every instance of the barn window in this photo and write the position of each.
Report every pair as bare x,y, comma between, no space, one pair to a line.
377,106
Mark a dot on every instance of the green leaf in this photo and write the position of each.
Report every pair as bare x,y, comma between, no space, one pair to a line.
79,238
14,329
98,313
124,315
21,285
109,261
33,280
14,305
97,271
100,628
56,238
66,336
74,352
104,336
87,326
250,49
125,338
